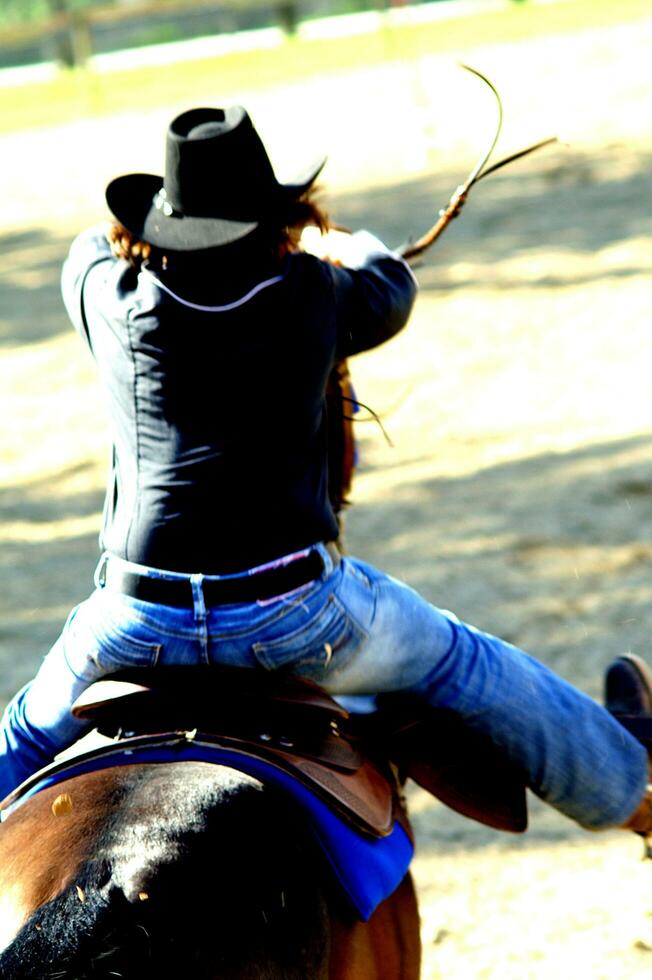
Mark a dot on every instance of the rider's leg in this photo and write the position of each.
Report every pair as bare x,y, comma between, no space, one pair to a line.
101,635
37,723
572,752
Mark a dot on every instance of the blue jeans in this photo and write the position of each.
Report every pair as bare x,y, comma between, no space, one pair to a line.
356,631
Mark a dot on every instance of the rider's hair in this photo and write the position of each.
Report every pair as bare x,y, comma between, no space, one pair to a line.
270,237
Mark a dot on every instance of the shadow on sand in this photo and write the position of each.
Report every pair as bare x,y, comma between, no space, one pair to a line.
31,308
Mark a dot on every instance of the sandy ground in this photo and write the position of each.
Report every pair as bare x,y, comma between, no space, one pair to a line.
518,489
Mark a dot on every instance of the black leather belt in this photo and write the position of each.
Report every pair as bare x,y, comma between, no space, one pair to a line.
218,592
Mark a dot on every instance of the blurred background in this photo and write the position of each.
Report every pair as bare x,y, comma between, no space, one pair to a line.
516,488
73,32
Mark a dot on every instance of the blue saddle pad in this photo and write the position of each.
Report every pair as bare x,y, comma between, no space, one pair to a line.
367,869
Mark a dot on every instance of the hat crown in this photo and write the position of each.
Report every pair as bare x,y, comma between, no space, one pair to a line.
216,166
218,186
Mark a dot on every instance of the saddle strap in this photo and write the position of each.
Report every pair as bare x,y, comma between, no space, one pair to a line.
460,766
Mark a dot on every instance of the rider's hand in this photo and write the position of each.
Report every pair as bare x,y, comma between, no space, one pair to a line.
331,246
341,248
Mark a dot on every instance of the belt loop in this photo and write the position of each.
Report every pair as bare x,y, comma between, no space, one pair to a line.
199,604
330,557
334,552
100,572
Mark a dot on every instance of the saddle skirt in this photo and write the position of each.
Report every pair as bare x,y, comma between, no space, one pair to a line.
367,869
345,771
284,732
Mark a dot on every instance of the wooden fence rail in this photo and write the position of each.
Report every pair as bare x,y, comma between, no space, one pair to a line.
71,38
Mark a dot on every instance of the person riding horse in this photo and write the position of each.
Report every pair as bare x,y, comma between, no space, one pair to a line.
215,334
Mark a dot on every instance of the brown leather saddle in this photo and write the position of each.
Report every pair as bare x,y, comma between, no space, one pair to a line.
356,763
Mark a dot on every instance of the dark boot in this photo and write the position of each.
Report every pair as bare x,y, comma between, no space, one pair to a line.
628,697
628,687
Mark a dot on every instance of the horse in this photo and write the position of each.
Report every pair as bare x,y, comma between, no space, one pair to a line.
200,838
184,868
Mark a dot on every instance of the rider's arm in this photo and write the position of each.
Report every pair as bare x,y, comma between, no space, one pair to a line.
374,289
87,250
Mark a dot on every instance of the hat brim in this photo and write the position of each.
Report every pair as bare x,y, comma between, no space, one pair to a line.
301,183
131,199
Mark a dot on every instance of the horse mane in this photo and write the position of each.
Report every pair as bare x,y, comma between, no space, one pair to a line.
200,872
70,940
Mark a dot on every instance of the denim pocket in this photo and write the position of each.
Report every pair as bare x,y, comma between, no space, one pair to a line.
325,642
96,644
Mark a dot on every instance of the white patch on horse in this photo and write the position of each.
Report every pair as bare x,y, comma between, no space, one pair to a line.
141,850
12,915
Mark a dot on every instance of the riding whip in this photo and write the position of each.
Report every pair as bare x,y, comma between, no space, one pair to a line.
458,199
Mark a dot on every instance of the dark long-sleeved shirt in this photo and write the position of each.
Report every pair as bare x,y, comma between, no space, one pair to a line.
216,396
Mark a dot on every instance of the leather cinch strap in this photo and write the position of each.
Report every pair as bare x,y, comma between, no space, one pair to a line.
265,584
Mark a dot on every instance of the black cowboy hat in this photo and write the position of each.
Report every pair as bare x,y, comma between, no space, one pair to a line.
219,185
